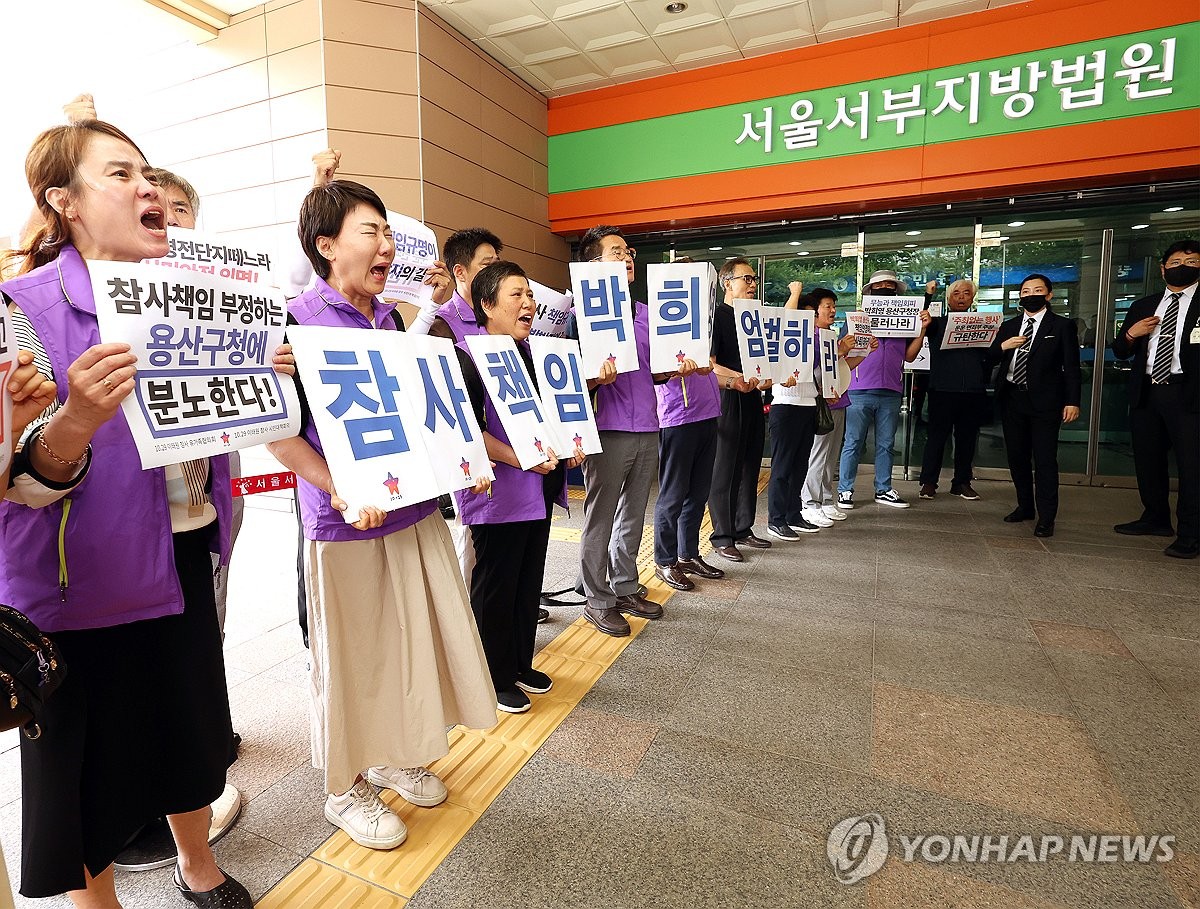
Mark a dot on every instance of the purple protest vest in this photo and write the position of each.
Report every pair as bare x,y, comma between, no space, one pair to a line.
883,369
460,316
690,400
516,495
116,561
629,404
322,305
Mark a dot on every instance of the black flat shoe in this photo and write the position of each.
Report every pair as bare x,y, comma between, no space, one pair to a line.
229,895
1017,515
1044,529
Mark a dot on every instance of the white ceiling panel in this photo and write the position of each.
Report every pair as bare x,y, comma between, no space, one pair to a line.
564,46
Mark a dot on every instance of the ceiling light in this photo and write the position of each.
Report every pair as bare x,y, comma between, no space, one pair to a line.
912,233
1016,223
910,245
715,248
1174,208
797,242
1139,227
674,8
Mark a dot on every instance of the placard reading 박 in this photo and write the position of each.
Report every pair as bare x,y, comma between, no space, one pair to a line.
604,316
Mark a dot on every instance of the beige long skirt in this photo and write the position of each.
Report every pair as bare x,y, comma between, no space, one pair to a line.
396,656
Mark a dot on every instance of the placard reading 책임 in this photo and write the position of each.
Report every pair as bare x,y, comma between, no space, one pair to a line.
681,296
604,316
894,317
564,393
204,345
970,329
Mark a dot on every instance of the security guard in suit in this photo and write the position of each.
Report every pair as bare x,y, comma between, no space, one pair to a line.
1037,390
1161,333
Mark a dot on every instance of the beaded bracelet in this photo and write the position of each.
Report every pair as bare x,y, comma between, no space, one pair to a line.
55,458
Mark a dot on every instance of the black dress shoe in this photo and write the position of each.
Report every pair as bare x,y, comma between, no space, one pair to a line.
1044,529
608,621
1140,528
730,552
640,607
229,895
673,577
543,615
755,542
1017,515
700,568
1183,549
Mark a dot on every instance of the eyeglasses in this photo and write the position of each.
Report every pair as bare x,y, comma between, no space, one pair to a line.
749,279
617,254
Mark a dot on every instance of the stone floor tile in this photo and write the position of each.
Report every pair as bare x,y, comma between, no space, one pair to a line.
807,637
601,741
1080,637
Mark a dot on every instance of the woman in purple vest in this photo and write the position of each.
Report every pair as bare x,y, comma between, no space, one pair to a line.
113,559
395,654
511,525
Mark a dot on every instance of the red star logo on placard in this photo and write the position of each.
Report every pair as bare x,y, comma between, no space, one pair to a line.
225,437
578,440
680,356
466,467
393,484
612,358
537,443
758,370
796,373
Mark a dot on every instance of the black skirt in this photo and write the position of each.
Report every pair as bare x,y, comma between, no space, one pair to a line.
140,728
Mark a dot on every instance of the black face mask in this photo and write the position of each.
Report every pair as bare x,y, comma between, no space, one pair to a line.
1181,275
881,292
1033,302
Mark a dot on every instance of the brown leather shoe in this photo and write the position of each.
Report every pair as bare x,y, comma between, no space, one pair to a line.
640,607
608,621
730,552
755,542
673,577
700,568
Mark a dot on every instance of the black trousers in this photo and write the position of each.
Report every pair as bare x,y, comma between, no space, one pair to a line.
1160,424
506,588
740,438
301,593
685,471
1031,437
792,430
960,413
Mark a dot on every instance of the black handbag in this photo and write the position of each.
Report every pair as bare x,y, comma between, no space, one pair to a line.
31,668
824,417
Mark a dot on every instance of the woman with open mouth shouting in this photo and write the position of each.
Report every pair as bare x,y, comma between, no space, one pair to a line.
100,555
396,657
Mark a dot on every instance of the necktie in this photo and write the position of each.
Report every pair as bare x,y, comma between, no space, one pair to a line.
1164,355
1020,359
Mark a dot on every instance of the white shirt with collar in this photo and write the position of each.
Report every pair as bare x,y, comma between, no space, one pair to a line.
1037,326
1185,301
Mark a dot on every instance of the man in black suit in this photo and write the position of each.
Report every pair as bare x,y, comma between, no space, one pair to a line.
1037,389
1161,334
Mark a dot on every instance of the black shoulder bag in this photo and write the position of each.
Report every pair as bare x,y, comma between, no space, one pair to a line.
31,668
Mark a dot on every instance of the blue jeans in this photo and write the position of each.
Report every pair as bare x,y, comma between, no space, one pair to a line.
878,408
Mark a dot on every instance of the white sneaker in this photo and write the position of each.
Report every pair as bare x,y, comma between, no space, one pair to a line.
415,784
365,818
833,513
816,516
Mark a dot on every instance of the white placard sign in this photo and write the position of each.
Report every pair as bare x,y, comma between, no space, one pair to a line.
564,393
553,311
604,316
680,296
206,254
921,363
365,417
416,251
829,361
970,329
434,384
752,339
860,324
531,430
8,363
204,345
799,351
894,317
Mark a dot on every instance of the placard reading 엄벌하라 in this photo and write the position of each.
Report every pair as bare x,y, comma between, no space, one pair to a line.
752,340
204,345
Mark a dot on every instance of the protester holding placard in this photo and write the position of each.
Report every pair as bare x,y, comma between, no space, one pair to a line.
141,723
741,429
876,389
510,527
618,480
385,596
958,399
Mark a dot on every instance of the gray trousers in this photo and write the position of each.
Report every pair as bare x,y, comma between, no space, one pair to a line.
820,485
614,512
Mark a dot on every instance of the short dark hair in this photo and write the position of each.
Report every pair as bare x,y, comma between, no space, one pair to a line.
323,212
168,178
486,285
730,265
822,293
1036,277
460,246
589,243
1183,246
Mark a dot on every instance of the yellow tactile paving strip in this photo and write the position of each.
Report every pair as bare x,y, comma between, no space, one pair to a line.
343,875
